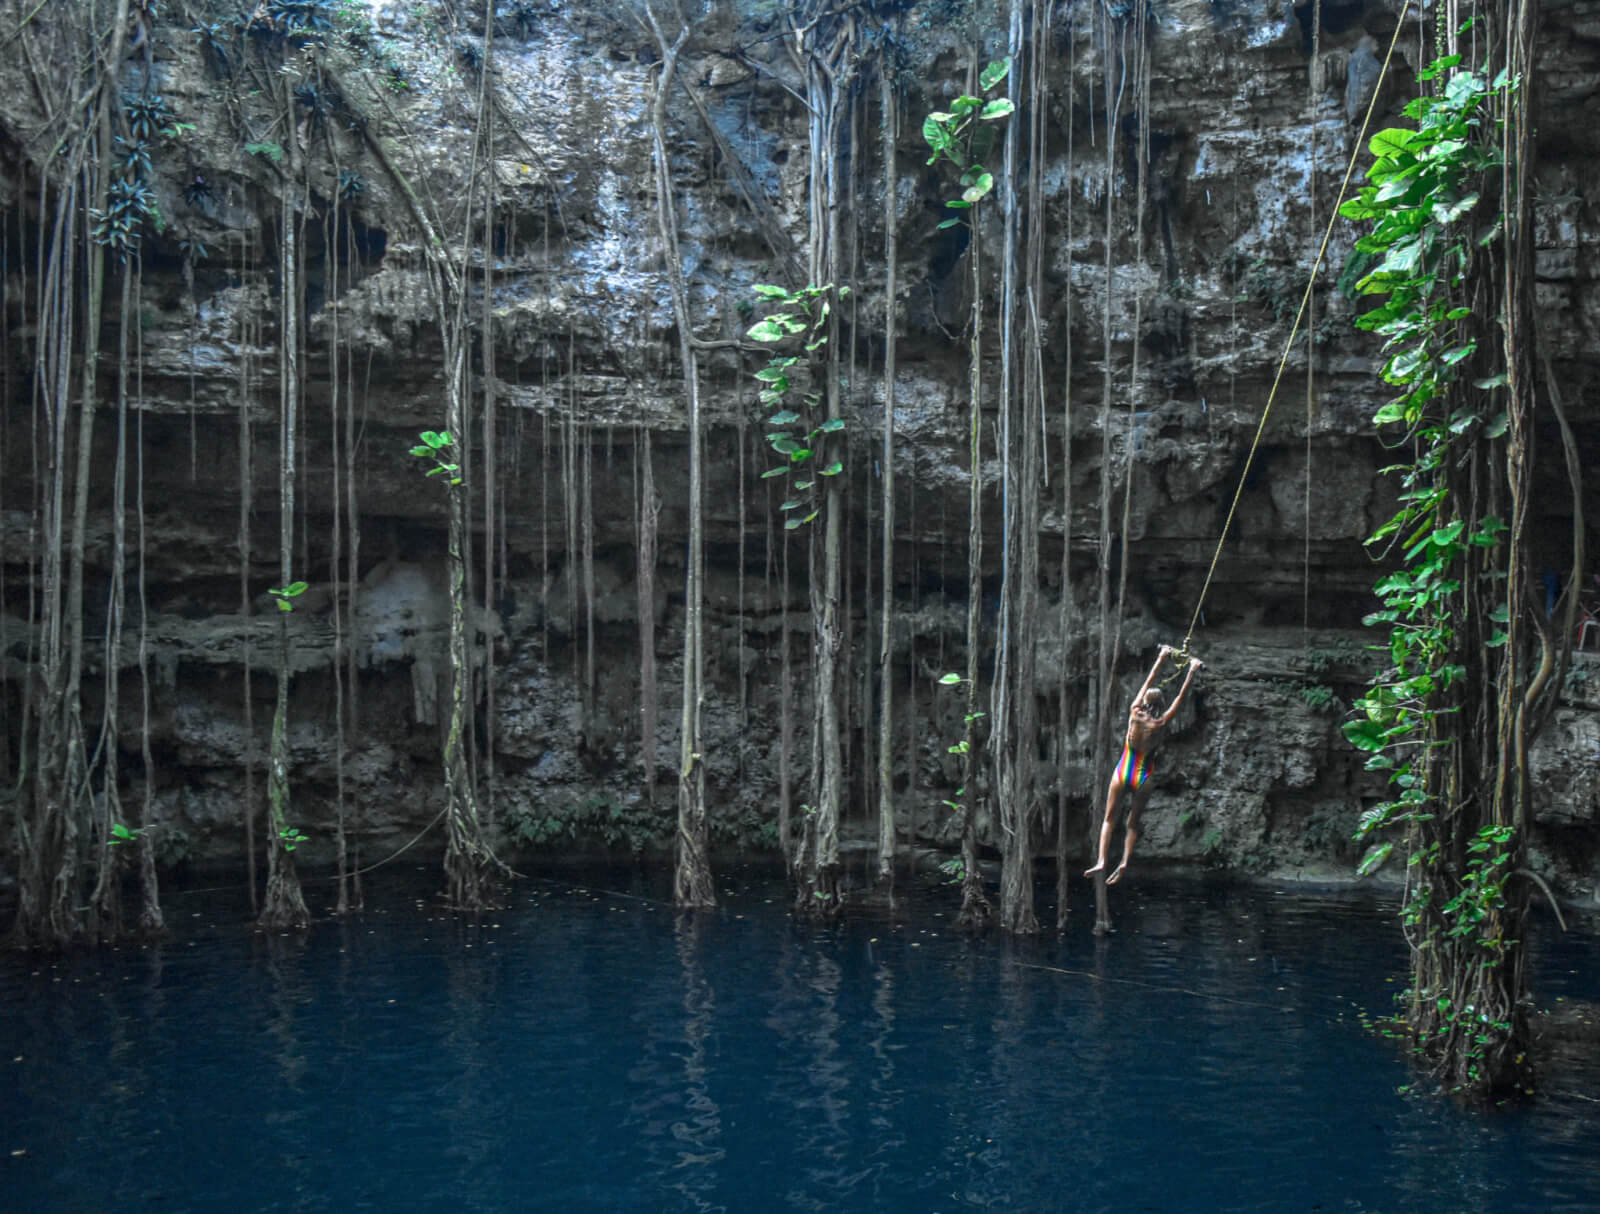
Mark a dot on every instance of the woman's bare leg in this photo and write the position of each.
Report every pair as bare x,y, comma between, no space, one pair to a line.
1113,794
1128,836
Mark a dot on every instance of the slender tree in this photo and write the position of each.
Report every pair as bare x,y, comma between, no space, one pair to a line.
61,841
342,865
822,42
1114,59
962,138
468,859
889,104
1012,738
284,905
247,389
648,510
1066,615
692,886
106,901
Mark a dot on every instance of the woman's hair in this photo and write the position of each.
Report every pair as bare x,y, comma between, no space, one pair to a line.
1154,699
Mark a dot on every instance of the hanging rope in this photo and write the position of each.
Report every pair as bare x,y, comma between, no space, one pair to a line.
1305,300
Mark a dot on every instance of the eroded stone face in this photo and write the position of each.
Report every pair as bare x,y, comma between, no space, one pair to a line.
1248,138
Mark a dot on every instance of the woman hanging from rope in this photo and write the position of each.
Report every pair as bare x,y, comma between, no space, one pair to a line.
1145,721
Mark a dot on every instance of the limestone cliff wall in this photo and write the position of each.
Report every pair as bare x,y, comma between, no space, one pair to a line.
1249,135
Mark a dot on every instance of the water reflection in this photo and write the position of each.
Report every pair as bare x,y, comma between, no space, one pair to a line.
698,1133
673,1112
287,1116
595,1052
888,1138
472,1095
810,1081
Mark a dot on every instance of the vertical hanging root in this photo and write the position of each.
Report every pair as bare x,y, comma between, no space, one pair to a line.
886,823
284,905
692,886
649,514
1063,720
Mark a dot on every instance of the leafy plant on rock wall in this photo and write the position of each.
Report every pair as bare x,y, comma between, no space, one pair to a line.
1450,715
1419,198
433,443
959,137
962,138
594,819
791,385
468,854
284,596
961,748
130,201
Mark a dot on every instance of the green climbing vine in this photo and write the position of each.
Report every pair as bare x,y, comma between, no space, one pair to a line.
792,386
1421,199
962,137
1447,714
961,748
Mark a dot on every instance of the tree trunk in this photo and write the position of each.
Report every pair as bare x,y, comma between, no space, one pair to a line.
825,49
691,886
284,905
1014,724
886,823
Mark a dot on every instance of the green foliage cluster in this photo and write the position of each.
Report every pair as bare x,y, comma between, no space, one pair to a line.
265,147
275,24
432,448
524,16
961,137
274,28
1422,192
1320,659
1577,682
149,115
1327,833
1422,197
963,746
596,820
121,833
1319,697
791,384
296,17
145,117
129,202
284,596
746,828
173,844
1260,282
1420,200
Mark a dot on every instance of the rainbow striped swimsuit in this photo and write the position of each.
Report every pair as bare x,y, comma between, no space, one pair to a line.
1133,767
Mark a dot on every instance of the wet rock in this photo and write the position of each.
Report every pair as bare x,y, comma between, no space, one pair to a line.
1249,138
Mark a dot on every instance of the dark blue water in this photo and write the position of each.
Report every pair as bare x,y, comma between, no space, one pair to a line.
587,1051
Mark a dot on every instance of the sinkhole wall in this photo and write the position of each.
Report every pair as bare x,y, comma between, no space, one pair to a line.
1168,311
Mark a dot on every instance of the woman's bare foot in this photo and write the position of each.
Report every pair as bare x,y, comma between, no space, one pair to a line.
1113,878
1100,867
